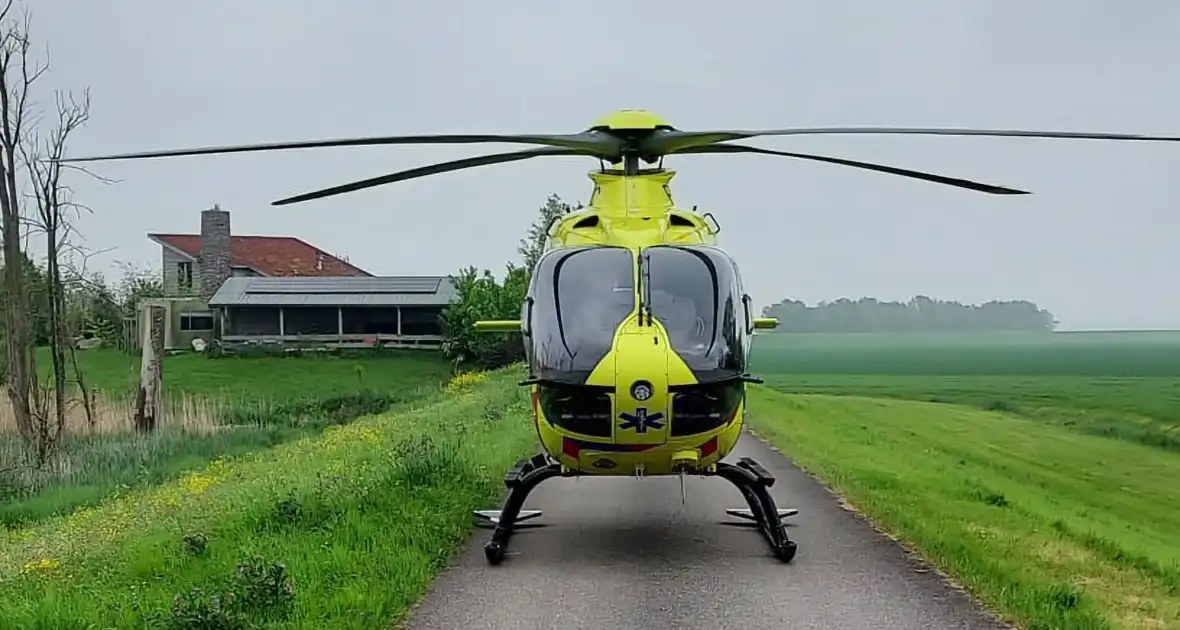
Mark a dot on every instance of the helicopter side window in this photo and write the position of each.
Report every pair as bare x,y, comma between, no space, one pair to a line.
582,296
695,295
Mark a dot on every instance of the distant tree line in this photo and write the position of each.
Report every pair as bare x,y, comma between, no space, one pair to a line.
919,314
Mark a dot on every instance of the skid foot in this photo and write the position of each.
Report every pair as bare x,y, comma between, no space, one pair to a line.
520,481
753,480
748,514
493,516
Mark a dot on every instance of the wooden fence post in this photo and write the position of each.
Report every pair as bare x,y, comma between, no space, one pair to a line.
151,370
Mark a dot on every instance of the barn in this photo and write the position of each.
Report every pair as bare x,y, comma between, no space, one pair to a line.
337,311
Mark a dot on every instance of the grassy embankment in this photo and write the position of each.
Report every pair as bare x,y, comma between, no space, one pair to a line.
214,407
358,519
1048,488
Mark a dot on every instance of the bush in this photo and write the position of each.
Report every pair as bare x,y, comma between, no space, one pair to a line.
478,296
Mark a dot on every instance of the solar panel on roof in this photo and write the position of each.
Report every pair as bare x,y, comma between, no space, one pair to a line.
342,285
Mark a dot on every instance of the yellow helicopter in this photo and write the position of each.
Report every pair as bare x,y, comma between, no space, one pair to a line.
636,326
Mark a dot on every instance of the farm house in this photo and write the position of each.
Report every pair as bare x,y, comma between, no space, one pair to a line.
332,311
282,290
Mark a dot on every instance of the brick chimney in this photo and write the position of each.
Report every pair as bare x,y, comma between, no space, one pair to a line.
215,250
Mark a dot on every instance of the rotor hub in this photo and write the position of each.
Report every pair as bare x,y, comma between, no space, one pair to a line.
631,120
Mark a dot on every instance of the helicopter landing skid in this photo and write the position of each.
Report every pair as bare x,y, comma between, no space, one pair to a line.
520,481
753,480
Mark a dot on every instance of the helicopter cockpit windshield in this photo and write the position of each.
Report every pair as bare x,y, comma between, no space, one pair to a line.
580,297
695,293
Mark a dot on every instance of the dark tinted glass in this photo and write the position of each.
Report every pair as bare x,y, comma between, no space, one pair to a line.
695,295
580,297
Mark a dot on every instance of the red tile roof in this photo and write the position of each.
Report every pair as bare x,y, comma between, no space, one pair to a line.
270,255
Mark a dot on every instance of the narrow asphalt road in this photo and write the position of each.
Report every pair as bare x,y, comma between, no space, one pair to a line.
625,553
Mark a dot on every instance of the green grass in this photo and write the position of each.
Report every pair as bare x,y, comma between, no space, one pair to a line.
361,517
273,378
1037,470
1051,528
1117,384
1144,410
1042,477
1109,354
220,407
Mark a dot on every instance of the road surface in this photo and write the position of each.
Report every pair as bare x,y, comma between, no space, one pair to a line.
626,554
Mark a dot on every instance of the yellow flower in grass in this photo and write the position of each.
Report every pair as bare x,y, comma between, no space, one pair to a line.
40,565
215,472
369,434
195,483
465,381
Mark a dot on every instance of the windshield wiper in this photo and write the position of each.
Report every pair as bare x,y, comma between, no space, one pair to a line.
644,287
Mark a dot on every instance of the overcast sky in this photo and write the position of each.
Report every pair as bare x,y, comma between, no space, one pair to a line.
1097,242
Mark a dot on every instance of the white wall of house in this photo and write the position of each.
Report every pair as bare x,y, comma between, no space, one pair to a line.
178,268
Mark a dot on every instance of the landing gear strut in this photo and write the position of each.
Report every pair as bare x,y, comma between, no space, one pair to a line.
748,475
753,480
520,480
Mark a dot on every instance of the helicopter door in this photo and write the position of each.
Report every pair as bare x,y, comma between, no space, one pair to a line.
696,296
580,298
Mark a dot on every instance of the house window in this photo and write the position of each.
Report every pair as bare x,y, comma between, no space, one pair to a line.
184,276
196,321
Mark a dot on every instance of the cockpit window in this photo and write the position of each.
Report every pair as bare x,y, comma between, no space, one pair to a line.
695,294
581,296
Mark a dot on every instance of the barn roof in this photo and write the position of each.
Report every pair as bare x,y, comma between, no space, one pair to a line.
336,291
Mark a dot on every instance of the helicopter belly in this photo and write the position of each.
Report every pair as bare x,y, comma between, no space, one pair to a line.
646,460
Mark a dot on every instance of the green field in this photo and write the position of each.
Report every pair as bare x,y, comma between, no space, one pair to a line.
1096,354
1037,470
264,378
1123,385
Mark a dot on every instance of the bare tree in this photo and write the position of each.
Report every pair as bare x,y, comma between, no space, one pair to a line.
30,157
18,73
82,285
53,201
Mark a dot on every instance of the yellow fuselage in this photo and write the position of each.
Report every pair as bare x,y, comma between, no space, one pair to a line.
636,213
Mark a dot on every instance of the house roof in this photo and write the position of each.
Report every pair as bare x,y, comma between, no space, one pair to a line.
280,256
338,291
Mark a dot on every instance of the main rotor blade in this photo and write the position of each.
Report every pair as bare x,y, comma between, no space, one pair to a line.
892,170
423,171
670,141
591,142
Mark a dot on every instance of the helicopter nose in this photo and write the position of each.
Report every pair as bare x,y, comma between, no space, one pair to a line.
641,390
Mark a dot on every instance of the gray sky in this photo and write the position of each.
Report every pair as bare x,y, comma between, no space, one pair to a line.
1096,243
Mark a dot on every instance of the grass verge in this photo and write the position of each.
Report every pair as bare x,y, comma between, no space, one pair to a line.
207,419
358,519
1051,528
1137,409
